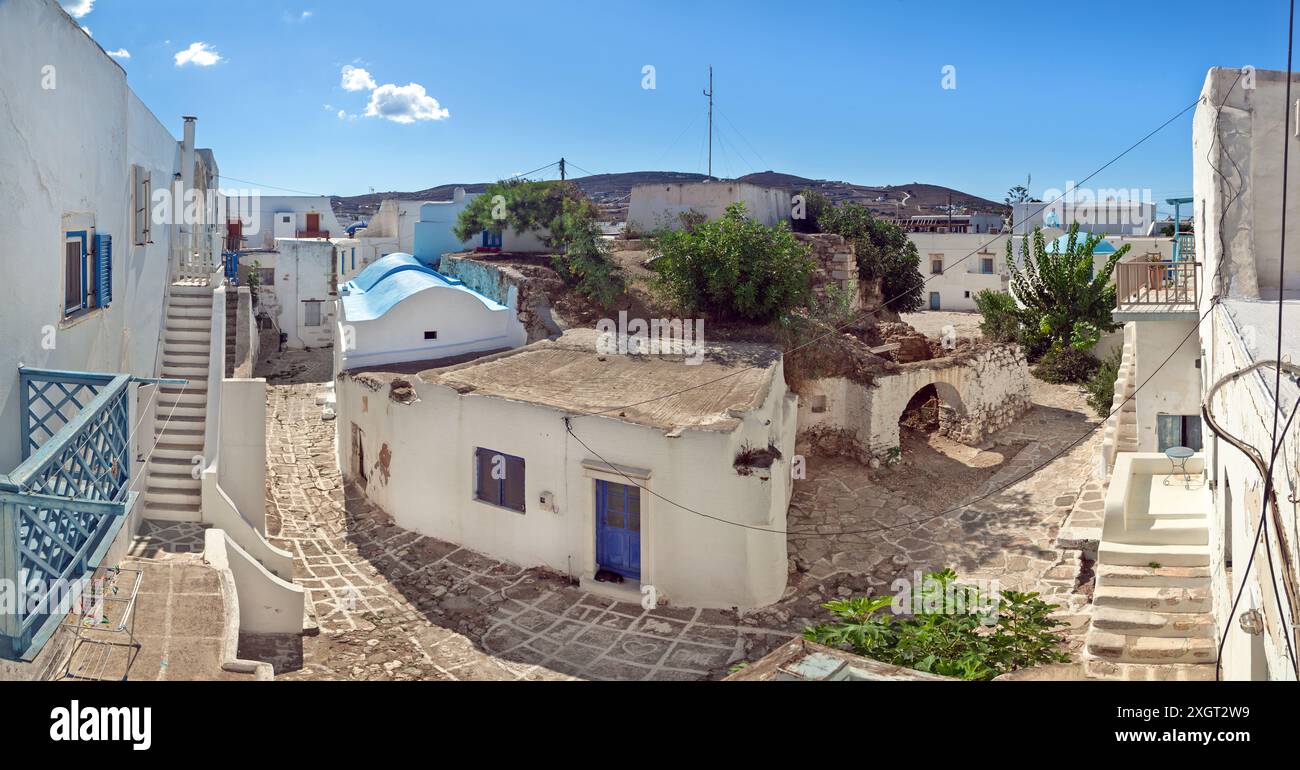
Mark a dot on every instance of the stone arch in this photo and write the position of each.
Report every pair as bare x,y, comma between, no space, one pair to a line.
951,407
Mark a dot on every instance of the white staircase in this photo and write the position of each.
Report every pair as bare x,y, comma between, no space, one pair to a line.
173,491
1152,616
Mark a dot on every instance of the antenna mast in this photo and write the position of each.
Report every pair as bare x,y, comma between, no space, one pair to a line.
709,93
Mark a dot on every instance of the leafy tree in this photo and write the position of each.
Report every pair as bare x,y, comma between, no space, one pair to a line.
883,250
951,630
569,221
1019,194
733,267
1101,386
1063,302
814,203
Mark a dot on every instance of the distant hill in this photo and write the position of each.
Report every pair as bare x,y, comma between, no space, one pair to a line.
611,192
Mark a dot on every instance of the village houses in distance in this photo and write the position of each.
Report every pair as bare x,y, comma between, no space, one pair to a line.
632,426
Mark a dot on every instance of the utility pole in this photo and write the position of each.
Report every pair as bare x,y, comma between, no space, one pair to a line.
709,93
561,169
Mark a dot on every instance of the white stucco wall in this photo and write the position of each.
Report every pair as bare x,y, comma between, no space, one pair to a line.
424,451
1174,389
464,324
261,231
655,206
962,255
68,150
304,270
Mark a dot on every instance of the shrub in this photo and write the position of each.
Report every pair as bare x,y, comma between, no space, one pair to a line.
883,251
999,323
733,268
569,220
1101,385
952,634
1063,300
1066,363
814,203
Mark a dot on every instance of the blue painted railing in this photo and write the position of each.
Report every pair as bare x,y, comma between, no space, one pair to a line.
61,508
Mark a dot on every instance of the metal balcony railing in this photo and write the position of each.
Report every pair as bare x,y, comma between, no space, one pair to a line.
1156,285
61,508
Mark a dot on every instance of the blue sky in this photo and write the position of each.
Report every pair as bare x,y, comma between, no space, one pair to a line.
837,90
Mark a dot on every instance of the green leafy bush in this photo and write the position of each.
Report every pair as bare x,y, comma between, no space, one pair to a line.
814,203
1066,363
733,268
1101,385
883,251
999,322
569,221
949,632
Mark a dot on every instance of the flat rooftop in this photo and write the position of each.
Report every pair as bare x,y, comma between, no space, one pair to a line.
571,375
1256,320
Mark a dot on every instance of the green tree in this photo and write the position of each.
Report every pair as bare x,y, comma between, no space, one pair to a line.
883,251
1063,301
733,268
814,203
568,220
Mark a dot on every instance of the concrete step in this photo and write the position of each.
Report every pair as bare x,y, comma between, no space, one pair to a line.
190,311
174,511
1118,648
1117,575
1139,555
193,386
167,476
181,290
1142,672
1152,598
178,437
187,324
190,301
1167,531
1182,625
200,336
174,412
181,370
177,451
196,398
167,496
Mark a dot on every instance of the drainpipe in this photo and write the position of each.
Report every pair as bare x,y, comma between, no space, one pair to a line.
1265,469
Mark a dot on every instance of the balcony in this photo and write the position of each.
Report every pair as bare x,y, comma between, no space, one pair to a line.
313,233
61,508
1146,289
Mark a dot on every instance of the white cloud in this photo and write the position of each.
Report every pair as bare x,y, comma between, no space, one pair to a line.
120,53
404,104
356,79
77,8
200,54
87,31
306,15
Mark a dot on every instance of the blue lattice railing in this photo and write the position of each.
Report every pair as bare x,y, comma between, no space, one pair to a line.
62,506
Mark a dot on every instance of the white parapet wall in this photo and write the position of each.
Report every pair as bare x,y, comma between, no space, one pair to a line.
267,604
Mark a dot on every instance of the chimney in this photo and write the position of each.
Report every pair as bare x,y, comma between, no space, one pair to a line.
187,154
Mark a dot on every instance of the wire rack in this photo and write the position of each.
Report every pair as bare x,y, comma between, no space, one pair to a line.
104,619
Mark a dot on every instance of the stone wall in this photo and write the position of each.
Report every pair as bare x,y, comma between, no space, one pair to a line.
834,264
509,285
982,391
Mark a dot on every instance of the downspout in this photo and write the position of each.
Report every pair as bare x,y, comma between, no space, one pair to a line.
1270,492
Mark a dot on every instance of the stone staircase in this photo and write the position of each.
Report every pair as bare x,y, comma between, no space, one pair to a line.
1120,434
232,313
173,492
1152,602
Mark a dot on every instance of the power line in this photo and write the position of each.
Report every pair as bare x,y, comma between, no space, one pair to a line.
836,330
224,177
911,522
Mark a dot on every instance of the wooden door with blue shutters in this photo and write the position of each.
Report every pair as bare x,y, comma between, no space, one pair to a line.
618,528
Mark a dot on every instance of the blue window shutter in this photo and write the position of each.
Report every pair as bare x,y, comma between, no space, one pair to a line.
103,269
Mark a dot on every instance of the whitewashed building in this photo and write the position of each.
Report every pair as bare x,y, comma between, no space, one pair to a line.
657,206
958,266
286,216
397,310
297,281
1186,453
614,503
114,395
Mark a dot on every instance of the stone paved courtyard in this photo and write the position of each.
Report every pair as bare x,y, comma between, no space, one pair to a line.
392,604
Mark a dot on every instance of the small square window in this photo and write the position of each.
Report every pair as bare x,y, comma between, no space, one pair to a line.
499,479
431,335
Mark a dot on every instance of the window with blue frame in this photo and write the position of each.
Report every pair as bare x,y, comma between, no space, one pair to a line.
87,271
499,479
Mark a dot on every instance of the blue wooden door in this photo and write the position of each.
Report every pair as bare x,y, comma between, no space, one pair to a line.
618,528
934,300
